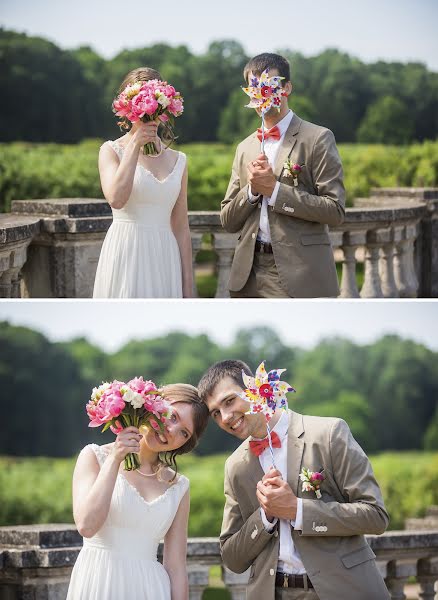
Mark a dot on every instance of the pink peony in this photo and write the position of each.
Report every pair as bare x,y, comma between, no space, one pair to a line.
169,90
317,477
296,168
176,107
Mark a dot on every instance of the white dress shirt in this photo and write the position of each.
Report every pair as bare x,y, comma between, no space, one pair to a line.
289,560
271,150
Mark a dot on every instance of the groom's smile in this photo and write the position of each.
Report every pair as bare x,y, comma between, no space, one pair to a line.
229,410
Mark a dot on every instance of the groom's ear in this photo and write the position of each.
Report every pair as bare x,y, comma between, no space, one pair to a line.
288,87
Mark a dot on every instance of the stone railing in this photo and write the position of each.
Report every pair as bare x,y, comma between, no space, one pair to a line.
36,562
50,248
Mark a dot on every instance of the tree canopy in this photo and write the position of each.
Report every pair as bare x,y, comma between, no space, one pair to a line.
386,391
56,95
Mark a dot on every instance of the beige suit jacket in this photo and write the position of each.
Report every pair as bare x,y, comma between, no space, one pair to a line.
300,217
332,546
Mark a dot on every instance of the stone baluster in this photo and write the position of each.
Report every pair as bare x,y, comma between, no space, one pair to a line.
405,278
198,580
398,573
427,577
386,264
196,246
224,245
236,583
372,287
350,243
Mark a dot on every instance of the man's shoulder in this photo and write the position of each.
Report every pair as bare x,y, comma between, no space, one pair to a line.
321,426
248,140
235,458
309,129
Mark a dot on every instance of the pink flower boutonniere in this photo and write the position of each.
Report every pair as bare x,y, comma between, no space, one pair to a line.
312,481
293,170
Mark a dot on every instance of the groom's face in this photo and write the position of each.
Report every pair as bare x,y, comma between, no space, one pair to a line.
287,89
229,410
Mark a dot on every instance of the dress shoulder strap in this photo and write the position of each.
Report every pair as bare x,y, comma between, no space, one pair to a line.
100,453
116,147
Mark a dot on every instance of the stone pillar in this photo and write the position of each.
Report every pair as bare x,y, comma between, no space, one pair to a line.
236,583
372,287
398,574
427,577
196,246
350,243
198,580
16,234
63,258
428,248
224,245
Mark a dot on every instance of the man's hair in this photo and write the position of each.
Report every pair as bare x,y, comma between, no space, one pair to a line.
224,368
264,61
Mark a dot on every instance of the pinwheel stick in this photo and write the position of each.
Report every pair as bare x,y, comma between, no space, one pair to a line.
270,444
263,135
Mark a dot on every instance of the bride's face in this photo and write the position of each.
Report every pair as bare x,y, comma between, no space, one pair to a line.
178,429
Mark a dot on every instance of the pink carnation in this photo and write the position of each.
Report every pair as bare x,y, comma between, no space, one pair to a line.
317,477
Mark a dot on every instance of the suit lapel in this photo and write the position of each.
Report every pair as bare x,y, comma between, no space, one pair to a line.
295,449
252,148
255,471
289,140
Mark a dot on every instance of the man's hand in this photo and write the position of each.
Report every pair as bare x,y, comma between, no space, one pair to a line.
276,497
261,177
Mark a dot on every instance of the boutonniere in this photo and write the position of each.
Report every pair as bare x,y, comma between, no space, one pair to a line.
293,170
312,481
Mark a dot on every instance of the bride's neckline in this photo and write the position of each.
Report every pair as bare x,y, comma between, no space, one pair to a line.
139,165
135,489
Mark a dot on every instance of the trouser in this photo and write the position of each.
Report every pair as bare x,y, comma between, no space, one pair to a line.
263,281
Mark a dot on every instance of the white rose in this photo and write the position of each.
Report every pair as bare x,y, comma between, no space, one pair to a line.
163,100
133,398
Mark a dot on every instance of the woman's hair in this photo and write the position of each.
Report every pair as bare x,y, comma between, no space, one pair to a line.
187,394
134,76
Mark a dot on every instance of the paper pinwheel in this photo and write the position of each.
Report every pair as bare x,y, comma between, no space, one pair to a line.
266,392
265,92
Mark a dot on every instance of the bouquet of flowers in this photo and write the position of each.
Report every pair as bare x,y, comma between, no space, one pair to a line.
117,405
149,101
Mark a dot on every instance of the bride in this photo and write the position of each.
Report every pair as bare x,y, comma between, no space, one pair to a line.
147,251
123,515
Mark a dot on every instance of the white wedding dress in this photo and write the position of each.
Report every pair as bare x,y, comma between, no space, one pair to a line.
120,561
140,256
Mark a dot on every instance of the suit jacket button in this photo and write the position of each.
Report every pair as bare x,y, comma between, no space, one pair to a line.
253,236
275,533
271,571
241,203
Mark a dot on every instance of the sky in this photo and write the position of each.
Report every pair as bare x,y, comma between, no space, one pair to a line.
391,30
110,324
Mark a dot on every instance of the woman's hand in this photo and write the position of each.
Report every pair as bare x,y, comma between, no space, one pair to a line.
145,133
127,441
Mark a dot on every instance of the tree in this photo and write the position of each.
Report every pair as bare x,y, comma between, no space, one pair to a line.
387,121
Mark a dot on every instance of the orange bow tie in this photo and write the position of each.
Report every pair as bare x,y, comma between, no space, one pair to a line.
258,446
273,133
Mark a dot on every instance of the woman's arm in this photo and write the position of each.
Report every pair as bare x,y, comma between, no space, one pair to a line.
116,176
93,487
175,551
181,230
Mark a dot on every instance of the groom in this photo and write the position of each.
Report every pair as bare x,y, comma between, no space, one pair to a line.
283,249
298,546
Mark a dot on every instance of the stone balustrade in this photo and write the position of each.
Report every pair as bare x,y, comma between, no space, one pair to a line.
50,248
36,562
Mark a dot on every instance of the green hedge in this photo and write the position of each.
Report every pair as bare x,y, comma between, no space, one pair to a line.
55,170
38,490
